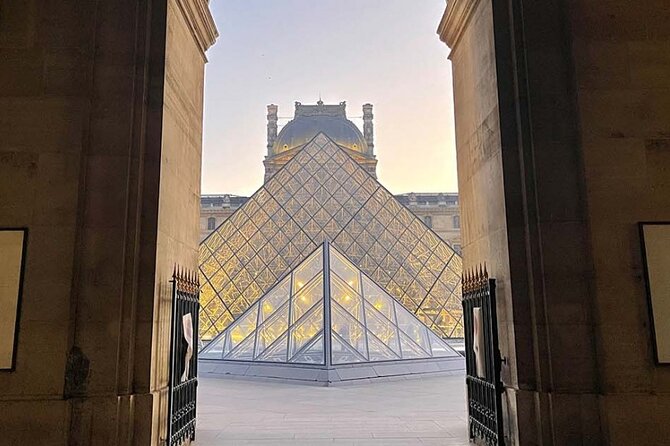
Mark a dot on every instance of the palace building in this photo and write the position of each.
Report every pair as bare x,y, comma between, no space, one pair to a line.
320,189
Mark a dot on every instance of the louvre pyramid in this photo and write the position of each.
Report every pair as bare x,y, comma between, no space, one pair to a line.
323,195
326,312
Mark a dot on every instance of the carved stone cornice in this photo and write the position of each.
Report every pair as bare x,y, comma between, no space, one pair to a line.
200,22
455,19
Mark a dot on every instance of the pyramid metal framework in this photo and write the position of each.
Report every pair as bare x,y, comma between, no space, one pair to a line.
322,194
326,312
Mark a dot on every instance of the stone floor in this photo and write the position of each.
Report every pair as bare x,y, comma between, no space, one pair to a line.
417,411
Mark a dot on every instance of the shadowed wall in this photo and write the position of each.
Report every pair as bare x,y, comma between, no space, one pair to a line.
93,122
562,136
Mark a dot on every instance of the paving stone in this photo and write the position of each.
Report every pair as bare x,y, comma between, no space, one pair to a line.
413,411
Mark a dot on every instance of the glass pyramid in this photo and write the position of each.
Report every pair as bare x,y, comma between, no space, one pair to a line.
326,312
323,194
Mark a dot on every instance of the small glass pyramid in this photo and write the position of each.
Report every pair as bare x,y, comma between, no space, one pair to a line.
326,312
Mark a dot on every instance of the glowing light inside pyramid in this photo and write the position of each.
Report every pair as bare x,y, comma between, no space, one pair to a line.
322,194
363,322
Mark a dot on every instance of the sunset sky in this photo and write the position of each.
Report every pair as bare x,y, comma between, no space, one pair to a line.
385,52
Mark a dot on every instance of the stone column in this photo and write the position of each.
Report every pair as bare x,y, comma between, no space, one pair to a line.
562,124
522,192
368,130
272,127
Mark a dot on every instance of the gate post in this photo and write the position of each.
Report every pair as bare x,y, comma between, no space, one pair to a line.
183,376
482,358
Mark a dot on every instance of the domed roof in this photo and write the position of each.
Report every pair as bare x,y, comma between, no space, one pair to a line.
310,120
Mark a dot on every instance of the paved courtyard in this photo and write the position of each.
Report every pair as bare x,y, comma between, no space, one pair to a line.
417,411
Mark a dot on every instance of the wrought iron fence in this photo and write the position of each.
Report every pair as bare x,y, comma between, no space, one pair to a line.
183,381
482,358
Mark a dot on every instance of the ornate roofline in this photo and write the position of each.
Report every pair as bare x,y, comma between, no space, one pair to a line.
456,17
321,109
200,22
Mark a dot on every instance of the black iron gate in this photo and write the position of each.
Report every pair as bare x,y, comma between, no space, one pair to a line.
183,381
482,358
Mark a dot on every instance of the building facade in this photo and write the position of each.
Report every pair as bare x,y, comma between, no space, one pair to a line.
439,211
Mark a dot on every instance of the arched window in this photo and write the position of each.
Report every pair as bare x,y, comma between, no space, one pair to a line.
428,220
457,221
211,223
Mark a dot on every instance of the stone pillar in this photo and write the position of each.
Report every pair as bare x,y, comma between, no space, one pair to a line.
562,119
522,198
272,127
368,130
100,147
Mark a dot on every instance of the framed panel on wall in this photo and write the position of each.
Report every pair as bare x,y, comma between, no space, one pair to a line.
655,238
13,242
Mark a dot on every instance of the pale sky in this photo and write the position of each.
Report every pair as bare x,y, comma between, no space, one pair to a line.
385,52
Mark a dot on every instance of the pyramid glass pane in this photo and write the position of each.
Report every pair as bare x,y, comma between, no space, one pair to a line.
322,194
242,352
439,347
274,299
306,297
379,299
410,350
347,298
312,354
306,271
349,330
241,329
380,351
412,328
343,353
306,329
277,352
345,270
272,329
382,328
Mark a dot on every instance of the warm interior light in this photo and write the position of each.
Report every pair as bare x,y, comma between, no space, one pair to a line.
300,284
236,335
347,297
378,305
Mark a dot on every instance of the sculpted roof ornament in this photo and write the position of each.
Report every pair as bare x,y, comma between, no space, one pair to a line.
310,120
321,109
456,17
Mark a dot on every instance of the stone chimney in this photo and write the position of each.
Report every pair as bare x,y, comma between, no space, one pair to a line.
368,131
272,126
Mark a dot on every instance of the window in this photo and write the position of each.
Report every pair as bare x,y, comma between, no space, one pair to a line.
211,223
428,220
457,248
457,221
